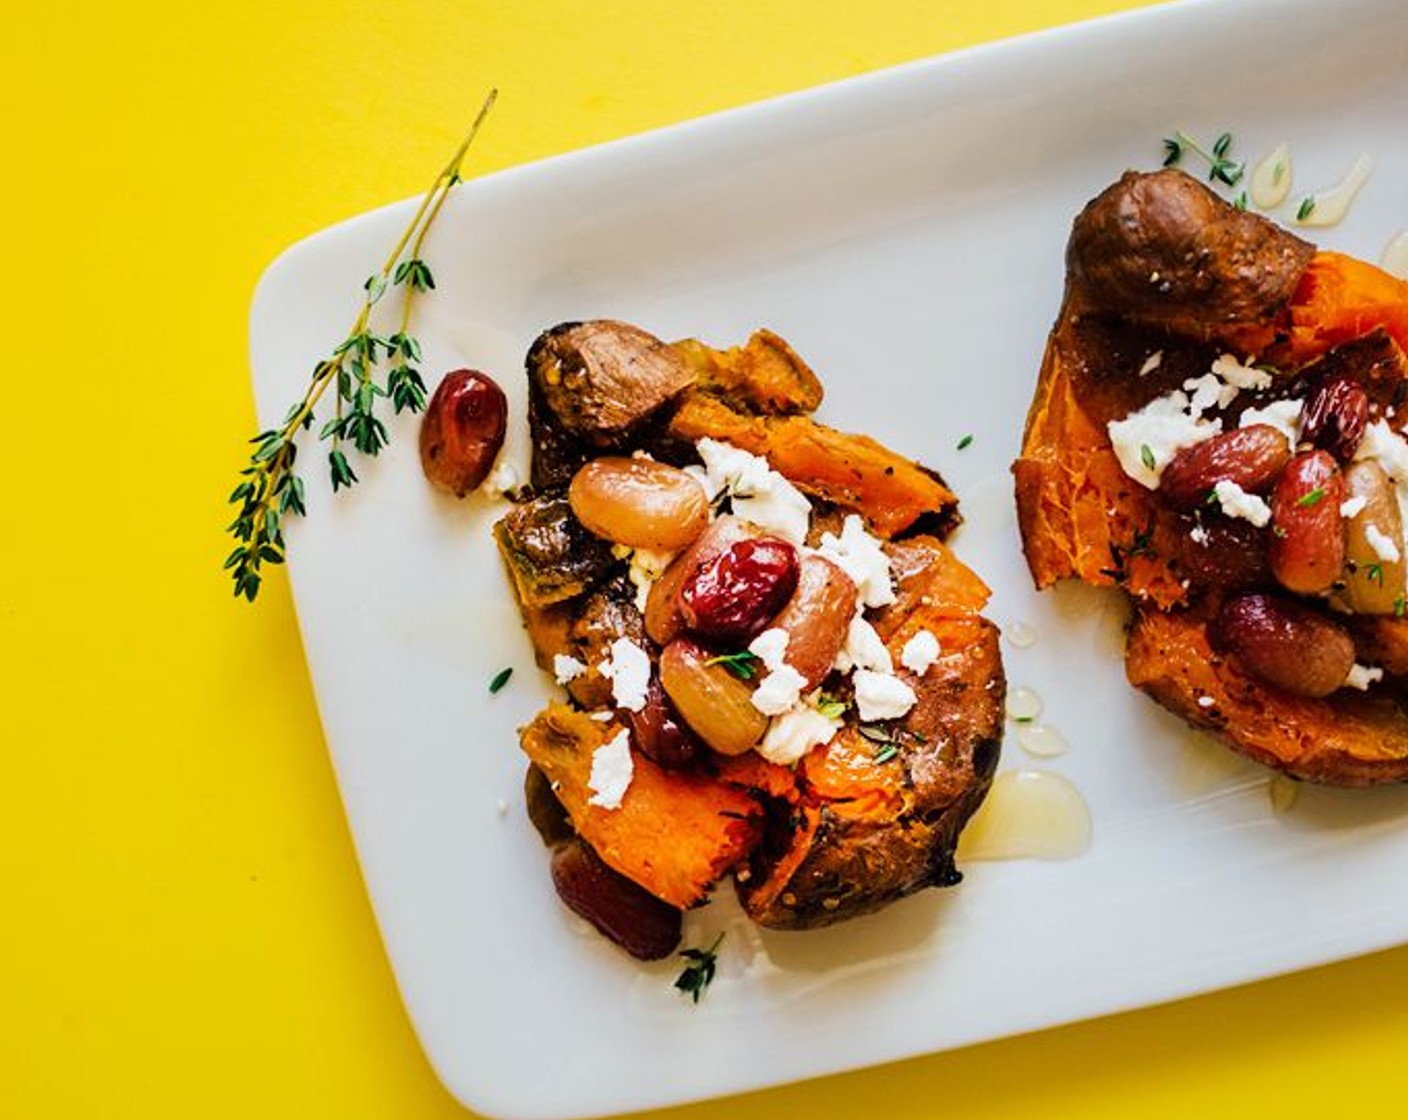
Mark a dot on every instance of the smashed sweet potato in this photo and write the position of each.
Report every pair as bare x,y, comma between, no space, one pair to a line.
856,822
1162,277
850,471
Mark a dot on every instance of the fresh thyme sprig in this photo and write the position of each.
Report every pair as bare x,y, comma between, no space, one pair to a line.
743,664
270,491
1221,169
698,974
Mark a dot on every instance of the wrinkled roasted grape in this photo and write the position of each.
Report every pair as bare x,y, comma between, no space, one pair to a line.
1336,413
659,732
1285,644
462,430
1251,457
663,620
816,617
1227,553
639,503
625,912
1373,583
715,703
1306,549
734,596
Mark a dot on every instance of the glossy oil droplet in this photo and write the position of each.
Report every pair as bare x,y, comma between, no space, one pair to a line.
1328,207
1395,258
1041,741
1271,178
1028,814
1020,635
1023,705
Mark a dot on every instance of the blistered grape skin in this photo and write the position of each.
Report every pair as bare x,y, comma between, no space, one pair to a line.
732,598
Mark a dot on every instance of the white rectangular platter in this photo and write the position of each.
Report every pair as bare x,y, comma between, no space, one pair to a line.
904,232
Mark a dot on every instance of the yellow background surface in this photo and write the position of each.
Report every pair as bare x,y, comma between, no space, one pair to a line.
184,931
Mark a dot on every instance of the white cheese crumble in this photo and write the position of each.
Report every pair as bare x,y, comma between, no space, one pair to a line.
920,652
1285,416
795,732
770,647
881,696
566,669
860,556
1236,502
1236,373
647,565
1362,676
604,716
1151,363
758,493
1206,701
628,669
1385,548
779,691
1198,534
502,479
1353,507
862,649
612,770
1146,440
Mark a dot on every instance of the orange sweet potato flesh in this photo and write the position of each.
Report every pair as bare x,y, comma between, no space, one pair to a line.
851,471
676,833
765,373
1350,738
1341,298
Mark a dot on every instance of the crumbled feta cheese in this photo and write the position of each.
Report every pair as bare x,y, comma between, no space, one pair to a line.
628,668
758,493
1362,676
881,696
920,652
1156,433
612,769
1236,502
779,691
1385,548
1198,534
1390,450
1206,701
501,480
862,649
1152,362
860,556
566,669
1209,391
1353,507
770,646
1235,373
795,732
647,565
1285,416
605,716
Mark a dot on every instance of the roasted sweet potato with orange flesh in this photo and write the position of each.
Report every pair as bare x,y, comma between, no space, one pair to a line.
888,490
1383,641
1339,299
765,375
872,831
1350,738
675,833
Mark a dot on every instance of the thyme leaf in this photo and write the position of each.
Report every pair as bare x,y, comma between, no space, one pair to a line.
698,973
